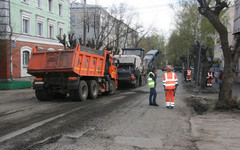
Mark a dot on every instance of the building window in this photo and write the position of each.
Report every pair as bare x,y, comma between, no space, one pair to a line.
51,28
73,20
39,3
60,28
60,9
25,58
61,32
50,5
51,31
40,29
236,12
26,25
39,25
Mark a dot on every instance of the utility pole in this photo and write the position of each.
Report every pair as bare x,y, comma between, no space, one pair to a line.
84,24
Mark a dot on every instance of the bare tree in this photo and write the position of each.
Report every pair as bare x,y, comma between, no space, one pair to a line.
62,40
114,29
212,13
71,43
206,57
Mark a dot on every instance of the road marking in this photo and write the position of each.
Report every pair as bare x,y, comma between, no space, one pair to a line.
35,125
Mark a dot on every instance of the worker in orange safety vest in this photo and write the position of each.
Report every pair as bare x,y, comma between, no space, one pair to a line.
189,72
209,78
170,83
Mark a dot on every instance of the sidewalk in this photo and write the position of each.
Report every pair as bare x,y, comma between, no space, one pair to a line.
214,89
236,89
215,129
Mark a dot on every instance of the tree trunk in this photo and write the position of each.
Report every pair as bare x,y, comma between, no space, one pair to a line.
195,62
225,95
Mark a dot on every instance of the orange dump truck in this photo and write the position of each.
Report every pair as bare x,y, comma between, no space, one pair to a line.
82,73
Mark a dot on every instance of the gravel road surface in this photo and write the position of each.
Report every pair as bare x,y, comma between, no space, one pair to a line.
120,121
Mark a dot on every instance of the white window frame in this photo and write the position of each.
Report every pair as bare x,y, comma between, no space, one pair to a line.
41,3
51,6
26,16
60,27
25,49
40,34
60,11
51,24
25,65
39,19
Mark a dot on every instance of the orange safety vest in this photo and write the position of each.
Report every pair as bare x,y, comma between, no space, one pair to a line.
188,72
170,80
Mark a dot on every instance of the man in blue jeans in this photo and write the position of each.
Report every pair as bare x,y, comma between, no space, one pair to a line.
152,78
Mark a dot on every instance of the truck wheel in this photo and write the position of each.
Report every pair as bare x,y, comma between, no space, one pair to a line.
112,87
72,95
82,92
42,95
92,89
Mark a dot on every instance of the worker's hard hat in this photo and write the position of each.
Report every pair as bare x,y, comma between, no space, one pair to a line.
168,68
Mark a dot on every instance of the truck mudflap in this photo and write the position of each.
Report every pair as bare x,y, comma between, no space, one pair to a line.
38,85
73,83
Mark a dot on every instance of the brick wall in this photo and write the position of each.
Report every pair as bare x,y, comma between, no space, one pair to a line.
16,55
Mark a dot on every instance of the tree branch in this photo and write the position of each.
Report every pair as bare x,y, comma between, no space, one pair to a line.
220,5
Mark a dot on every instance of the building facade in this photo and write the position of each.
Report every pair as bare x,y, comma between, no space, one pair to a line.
25,24
102,28
236,30
237,17
228,18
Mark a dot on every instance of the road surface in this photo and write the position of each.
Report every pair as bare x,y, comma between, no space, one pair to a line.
120,121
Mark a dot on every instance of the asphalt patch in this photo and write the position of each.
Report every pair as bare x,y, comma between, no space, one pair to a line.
198,104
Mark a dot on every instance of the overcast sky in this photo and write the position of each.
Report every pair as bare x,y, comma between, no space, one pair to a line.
156,12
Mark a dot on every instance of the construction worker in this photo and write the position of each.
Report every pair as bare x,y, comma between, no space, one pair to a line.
220,77
170,83
189,72
209,78
152,77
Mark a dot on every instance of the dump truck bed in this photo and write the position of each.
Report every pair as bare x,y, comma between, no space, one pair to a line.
79,62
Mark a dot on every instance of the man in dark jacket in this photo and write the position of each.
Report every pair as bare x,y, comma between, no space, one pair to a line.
152,78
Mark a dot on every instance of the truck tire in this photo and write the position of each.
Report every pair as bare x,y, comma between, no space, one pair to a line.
112,87
92,89
81,93
42,95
